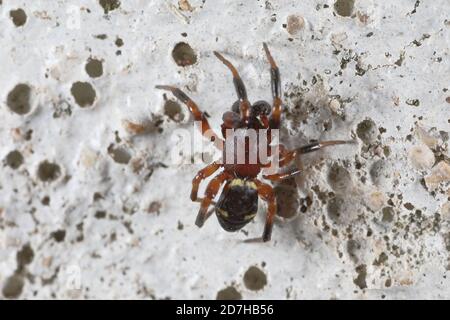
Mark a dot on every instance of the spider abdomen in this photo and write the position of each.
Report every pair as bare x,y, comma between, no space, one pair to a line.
237,205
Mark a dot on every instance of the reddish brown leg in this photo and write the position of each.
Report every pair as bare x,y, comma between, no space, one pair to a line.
287,156
284,156
276,90
239,86
266,193
201,175
211,191
198,115
281,176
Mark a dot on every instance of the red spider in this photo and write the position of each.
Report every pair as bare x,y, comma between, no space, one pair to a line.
238,203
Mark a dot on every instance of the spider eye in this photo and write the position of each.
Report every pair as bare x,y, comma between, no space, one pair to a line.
231,119
235,107
261,107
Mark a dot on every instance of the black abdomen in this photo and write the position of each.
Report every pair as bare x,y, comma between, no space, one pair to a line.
237,205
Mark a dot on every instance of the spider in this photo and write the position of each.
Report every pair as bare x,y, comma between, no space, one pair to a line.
238,202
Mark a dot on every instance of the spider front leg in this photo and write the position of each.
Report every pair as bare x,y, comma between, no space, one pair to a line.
202,175
244,104
210,193
275,117
198,115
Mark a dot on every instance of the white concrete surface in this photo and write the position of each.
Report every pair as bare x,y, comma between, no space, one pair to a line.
113,219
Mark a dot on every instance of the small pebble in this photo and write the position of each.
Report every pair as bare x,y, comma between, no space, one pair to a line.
439,174
422,158
294,24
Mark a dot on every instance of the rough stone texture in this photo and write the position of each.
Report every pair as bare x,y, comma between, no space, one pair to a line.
96,208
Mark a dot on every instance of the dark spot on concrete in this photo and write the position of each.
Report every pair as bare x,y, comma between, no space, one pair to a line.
154,207
80,227
255,279
94,68
100,214
25,256
344,8
367,131
413,102
360,280
101,36
287,198
48,171
83,93
388,283
382,258
59,235
229,293
14,159
386,151
352,248
13,286
321,195
172,109
408,206
18,99
97,196
117,137
359,70
183,54
416,5
339,178
380,173
45,200
119,42
28,135
127,225
62,109
334,208
400,60
18,17
180,226
305,204
119,154
387,214
444,135
447,241
109,5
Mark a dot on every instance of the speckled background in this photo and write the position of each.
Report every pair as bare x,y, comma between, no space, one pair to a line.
92,205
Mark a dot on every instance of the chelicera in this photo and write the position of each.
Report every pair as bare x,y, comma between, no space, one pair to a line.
238,202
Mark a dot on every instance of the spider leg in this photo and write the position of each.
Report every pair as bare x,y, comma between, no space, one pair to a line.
281,176
287,156
244,104
266,193
202,175
200,200
211,191
209,213
198,115
276,90
284,156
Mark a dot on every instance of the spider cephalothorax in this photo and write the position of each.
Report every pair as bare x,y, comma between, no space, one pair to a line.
238,202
